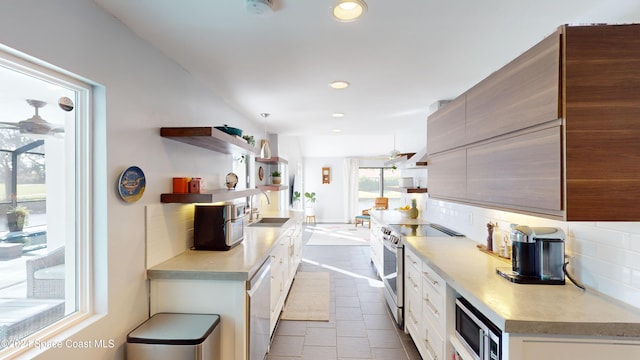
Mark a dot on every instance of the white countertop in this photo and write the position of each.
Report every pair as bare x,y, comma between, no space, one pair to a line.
238,263
520,308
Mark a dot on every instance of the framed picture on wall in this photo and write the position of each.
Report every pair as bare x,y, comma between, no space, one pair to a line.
326,175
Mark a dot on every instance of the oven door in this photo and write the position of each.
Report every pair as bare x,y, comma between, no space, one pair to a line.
392,264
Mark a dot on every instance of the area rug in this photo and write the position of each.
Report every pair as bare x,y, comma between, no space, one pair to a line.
309,297
338,234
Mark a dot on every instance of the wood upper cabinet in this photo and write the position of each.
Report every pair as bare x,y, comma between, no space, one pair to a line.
523,171
446,127
524,93
448,175
588,169
601,77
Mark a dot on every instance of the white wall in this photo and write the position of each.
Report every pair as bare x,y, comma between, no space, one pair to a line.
331,198
143,90
605,255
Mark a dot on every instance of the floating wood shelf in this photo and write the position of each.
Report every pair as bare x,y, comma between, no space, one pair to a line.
414,190
272,160
273,187
210,138
208,197
401,158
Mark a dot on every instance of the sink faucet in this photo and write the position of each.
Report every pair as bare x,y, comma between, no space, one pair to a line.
254,211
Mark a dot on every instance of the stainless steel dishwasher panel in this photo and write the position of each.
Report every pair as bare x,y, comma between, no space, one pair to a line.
259,298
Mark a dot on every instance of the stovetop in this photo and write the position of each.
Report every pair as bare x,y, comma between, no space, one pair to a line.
422,230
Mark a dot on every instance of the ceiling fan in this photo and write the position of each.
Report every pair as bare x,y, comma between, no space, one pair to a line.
36,125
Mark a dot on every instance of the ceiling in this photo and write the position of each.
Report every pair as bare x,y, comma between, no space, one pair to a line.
400,57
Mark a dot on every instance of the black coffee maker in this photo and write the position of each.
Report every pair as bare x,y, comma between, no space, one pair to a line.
537,256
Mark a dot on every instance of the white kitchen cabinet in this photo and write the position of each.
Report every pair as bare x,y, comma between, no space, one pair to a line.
285,259
375,244
425,314
279,270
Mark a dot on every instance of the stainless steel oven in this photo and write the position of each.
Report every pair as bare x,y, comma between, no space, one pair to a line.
392,274
393,260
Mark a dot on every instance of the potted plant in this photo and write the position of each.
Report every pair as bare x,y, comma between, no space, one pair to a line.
17,218
311,198
296,198
275,177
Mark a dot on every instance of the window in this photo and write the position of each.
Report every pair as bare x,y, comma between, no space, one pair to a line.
44,182
378,182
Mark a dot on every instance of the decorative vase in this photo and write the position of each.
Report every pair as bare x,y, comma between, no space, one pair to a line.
413,212
276,180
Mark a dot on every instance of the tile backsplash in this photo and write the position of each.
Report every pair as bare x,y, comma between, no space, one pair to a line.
604,256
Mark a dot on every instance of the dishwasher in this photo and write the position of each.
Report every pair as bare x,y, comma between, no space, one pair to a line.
259,300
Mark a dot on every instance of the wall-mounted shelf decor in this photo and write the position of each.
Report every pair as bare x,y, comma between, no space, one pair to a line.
273,187
208,137
272,160
208,197
326,175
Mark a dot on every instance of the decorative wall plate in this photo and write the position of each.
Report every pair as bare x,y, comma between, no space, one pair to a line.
260,173
131,184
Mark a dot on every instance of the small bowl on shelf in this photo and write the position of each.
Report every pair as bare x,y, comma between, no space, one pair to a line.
230,130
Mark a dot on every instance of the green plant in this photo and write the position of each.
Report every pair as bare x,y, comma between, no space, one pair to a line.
311,197
21,213
296,195
276,173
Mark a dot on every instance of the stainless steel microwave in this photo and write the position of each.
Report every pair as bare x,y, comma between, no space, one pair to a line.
480,337
218,226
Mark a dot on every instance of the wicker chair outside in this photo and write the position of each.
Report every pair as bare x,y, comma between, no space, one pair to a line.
45,288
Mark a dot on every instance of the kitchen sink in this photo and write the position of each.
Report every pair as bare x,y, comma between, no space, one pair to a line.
270,221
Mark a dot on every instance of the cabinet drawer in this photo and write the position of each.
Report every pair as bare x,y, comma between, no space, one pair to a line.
434,280
432,345
432,305
412,315
412,282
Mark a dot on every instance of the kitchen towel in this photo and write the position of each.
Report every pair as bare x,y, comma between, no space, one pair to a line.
338,234
309,297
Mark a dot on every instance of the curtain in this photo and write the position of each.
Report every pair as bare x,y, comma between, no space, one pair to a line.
351,167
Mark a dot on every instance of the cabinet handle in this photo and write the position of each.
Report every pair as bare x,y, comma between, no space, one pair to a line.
429,349
411,259
433,309
415,285
412,318
431,280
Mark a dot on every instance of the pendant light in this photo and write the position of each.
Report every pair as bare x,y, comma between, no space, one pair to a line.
394,153
265,149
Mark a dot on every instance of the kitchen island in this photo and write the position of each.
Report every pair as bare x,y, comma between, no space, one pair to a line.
215,282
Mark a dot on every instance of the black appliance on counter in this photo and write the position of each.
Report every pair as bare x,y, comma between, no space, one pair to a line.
218,226
537,256
393,261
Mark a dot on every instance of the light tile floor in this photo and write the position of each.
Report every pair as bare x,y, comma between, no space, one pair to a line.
360,325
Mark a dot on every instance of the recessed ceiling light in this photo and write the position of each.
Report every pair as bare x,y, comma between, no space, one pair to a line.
348,10
336,130
339,84
337,114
